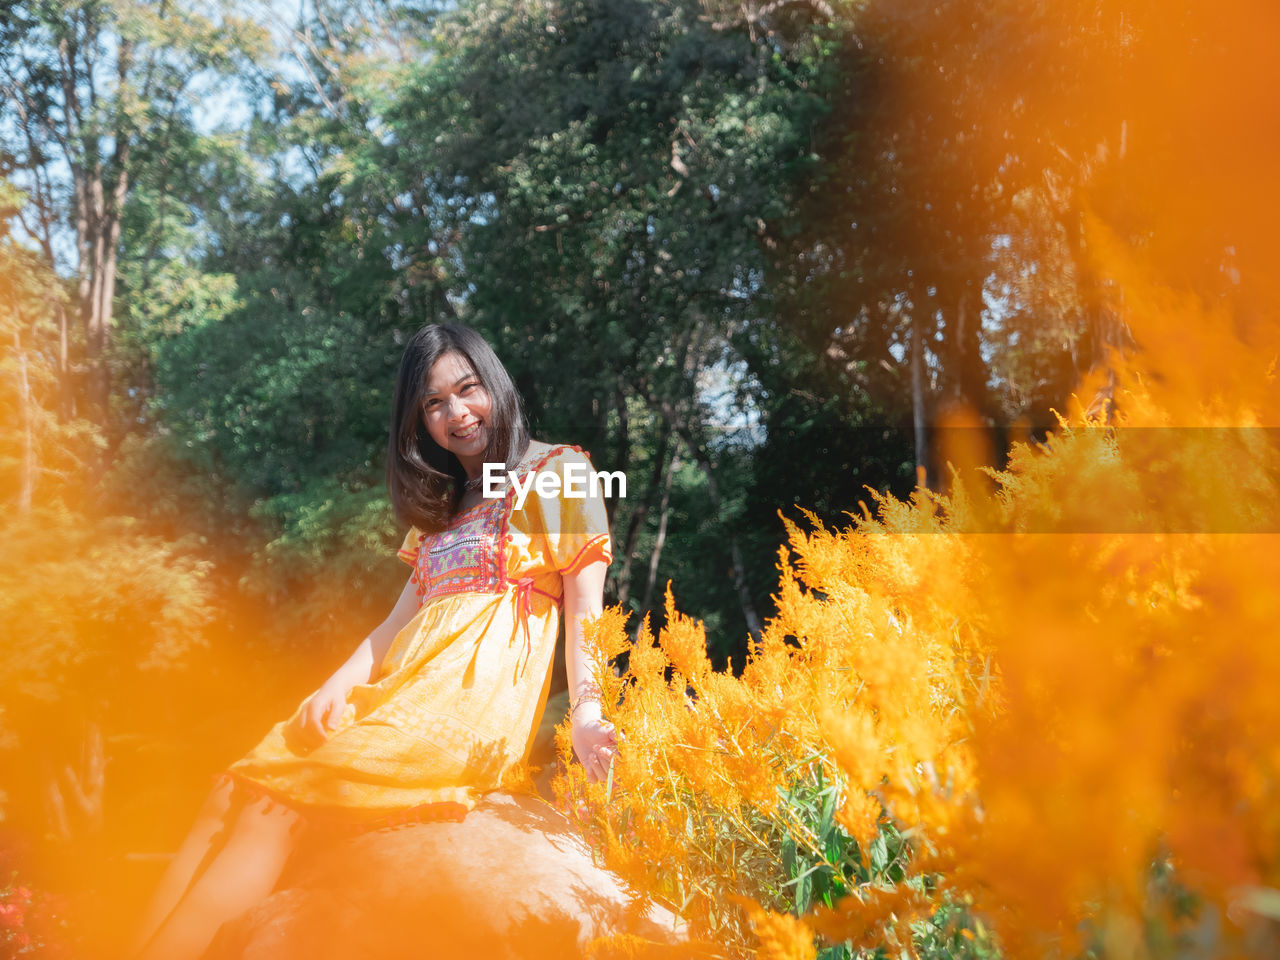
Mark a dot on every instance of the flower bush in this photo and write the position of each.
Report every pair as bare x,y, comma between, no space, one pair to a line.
1032,713
788,808
31,922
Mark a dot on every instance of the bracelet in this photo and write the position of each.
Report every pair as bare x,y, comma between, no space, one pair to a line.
590,695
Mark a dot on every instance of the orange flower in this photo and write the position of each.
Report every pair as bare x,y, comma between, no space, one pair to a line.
781,936
684,641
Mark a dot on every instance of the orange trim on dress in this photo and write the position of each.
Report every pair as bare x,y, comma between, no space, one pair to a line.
445,811
591,544
524,610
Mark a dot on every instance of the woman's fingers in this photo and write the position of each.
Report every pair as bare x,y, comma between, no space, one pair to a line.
599,760
304,716
596,745
315,719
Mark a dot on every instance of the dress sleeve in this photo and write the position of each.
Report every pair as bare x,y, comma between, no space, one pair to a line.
408,551
574,521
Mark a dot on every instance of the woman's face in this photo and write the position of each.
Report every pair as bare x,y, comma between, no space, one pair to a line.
456,411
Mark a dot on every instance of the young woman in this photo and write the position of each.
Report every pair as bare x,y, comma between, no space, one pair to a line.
439,704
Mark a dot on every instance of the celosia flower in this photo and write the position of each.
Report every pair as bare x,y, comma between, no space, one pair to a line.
684,641
11,916
873,916
781,936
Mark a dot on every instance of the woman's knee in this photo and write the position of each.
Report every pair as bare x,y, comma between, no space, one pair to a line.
217,805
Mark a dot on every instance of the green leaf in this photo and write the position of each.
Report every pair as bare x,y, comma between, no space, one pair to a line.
828,814
804,889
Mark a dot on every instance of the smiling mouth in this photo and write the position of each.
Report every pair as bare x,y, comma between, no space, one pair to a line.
469,432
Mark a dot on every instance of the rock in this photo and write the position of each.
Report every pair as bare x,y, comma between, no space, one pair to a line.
510,882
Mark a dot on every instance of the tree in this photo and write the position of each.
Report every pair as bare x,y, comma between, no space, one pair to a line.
89,85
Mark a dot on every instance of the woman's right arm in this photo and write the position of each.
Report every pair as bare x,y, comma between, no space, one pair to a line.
324,707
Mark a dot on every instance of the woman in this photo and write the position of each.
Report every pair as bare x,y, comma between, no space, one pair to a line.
439,704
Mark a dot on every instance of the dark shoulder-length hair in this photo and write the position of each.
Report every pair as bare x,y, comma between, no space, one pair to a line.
423,479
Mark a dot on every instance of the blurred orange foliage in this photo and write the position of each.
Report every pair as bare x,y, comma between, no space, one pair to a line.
1043,712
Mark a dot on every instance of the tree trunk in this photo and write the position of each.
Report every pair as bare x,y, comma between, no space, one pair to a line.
664,511
95,333
919,421
968,374
98,209
1107,331
107,289
964,406
107,242
636,523
66,393
624,433
27,488
76,147
754,625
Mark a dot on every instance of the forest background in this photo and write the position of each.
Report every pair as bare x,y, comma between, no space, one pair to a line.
759,256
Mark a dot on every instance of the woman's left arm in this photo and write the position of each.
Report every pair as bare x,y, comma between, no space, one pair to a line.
593,737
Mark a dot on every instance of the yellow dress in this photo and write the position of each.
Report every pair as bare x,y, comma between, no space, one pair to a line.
452,710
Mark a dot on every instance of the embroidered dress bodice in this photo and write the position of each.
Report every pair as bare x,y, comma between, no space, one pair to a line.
466,557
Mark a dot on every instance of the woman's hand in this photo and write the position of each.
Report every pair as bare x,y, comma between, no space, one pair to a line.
594,740
323,709
596,744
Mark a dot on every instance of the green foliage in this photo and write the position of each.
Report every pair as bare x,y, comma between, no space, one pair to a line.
619,214
822,864
621,197
589,185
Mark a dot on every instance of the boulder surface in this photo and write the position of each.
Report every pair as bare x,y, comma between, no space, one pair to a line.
510,882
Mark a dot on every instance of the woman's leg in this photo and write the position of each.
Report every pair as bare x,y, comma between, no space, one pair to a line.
203,840
243,874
